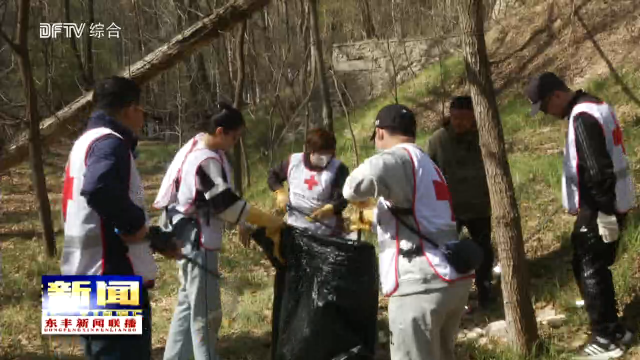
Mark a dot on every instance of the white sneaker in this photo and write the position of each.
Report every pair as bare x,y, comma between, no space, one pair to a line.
599,349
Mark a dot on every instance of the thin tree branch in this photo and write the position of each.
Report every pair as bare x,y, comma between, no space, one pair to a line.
9,42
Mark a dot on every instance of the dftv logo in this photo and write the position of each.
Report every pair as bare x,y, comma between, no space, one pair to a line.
48,31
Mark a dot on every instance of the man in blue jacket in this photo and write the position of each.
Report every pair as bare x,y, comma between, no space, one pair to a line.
103,209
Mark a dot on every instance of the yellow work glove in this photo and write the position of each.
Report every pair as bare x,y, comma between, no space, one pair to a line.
364,204
322,213
282,199
361,220
272,224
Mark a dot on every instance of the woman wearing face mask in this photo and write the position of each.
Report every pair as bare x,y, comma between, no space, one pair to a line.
315,179
199,186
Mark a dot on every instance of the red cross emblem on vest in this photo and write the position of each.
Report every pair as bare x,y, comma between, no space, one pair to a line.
617,138
67,191
311,182
442,192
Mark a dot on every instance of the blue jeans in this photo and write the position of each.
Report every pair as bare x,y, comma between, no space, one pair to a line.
198,314
122,347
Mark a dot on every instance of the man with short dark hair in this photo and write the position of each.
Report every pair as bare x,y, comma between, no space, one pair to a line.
426,295
598,188
455,149
103,209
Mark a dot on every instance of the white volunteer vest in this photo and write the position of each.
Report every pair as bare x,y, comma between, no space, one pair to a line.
211,233
625,190
308,191
83,234
432,217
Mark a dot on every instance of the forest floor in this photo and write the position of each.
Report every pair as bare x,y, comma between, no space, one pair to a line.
545,38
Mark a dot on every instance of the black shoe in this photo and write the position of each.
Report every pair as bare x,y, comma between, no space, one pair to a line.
485,298
623,336
599,348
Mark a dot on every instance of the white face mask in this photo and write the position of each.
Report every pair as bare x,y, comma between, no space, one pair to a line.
320,160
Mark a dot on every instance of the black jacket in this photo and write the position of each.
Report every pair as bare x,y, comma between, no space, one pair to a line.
596,178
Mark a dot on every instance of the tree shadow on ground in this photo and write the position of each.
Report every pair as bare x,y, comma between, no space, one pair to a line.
551,272
34,356
245,346
631,313
157,353
543,37
18,216
548,274
23,235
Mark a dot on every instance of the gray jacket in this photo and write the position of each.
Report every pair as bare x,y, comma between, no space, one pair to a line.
389,175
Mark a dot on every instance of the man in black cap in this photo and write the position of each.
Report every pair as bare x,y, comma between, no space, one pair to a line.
597,187
427,297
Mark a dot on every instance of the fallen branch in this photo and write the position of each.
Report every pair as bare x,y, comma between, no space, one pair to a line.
180,47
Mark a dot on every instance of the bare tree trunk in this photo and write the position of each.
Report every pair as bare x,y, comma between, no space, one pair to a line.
316,45
367,22
238,150
21,49
48,63
180,106
237,103
521,321
88,59
139,25
394,81
143,71
396,19
196,69
346,114
76,51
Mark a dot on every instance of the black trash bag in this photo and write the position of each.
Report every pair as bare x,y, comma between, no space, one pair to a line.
325,302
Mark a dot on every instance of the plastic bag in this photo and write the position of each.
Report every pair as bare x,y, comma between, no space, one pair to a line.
325,302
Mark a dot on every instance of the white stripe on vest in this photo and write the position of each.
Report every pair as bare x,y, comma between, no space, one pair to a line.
308,191
83,235
625,189
211,233
432,215
168,194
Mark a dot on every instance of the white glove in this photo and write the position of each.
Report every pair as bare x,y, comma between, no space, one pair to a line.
608,227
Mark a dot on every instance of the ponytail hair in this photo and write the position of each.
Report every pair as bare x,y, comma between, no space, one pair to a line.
228,118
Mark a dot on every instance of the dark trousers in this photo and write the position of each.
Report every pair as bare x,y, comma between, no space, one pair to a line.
124,347
480,231
591,260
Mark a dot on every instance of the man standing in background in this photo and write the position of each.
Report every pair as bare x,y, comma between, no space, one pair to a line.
455,149
598,189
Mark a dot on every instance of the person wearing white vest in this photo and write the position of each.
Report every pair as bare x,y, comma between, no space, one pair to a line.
598,189
427,297
103,209
199,186
314,200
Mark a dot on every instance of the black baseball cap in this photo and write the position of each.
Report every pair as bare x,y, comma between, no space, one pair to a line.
541,87
396,117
